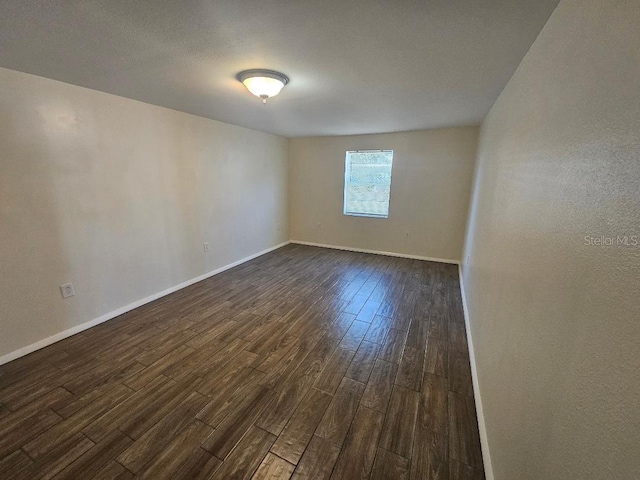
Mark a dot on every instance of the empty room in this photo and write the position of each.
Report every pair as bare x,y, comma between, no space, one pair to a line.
323,240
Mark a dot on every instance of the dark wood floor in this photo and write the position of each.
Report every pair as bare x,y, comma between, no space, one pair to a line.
305,363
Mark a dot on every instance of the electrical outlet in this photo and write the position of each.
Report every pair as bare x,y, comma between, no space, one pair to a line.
468,258
67,290
205,245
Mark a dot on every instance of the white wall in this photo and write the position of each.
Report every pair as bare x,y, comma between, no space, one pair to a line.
430,191
118,196
556,323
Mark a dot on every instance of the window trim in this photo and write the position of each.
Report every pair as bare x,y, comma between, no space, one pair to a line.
347,169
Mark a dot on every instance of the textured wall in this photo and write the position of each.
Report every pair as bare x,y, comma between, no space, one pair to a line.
556,318
118,196
430,191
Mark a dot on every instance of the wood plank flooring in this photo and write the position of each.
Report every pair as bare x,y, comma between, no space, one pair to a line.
305,363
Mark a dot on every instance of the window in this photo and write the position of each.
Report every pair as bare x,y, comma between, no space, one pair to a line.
367,183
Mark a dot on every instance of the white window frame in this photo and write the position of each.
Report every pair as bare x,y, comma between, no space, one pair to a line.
347,174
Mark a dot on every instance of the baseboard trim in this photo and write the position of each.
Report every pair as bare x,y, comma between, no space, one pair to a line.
377,252
21,352
486,456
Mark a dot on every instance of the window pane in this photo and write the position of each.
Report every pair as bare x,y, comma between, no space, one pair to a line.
368,183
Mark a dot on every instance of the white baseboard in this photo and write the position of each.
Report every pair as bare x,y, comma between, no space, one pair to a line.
21,352
486,457
377,252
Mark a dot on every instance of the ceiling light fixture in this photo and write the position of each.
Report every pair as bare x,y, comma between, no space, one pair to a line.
263,83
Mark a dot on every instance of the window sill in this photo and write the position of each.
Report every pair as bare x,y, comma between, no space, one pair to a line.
368,215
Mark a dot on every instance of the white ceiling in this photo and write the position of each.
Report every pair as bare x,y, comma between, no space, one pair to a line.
356,66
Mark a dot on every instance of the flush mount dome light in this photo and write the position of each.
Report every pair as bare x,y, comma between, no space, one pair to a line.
263,83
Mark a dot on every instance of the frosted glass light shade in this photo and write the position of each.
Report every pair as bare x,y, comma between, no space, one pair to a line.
266,86
263,83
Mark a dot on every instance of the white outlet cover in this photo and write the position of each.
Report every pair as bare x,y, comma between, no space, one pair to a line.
206,246
67,290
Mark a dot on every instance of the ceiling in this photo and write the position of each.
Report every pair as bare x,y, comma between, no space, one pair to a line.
356,66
